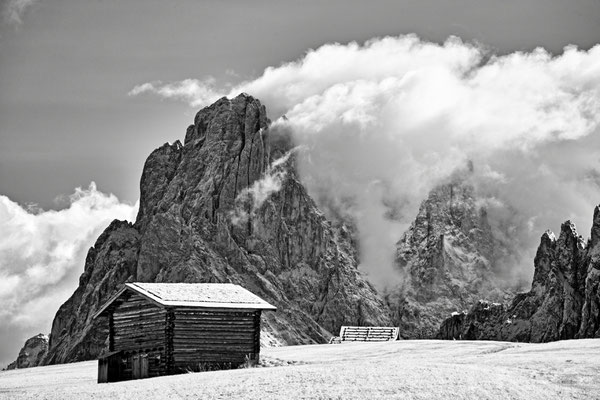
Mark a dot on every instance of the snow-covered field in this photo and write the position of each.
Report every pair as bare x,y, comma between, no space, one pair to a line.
402,369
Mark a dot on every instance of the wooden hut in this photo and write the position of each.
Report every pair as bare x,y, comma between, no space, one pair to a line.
168,328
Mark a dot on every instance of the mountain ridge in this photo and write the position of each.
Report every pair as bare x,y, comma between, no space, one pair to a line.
227,205
563,302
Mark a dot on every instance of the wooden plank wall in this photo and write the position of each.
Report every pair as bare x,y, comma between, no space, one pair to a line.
138,326
169,327
214,337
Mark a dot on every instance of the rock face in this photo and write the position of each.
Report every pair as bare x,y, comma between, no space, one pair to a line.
476,321
447,258
32,353
226,206
113,260
563,303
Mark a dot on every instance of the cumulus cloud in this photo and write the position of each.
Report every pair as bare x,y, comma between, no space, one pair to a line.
42,254
14,10
385,121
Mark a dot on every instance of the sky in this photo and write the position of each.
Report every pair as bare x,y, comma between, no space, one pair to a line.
89,89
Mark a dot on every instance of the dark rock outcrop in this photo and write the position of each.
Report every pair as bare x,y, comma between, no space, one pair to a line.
32,353
112,261
563,303
226,206
447,258
476,321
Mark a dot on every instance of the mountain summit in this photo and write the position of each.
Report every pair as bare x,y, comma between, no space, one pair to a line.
226,206
447,257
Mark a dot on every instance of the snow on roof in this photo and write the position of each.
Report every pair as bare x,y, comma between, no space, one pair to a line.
202,295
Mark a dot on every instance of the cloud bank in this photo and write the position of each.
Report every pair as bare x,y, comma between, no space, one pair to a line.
385,121
42,254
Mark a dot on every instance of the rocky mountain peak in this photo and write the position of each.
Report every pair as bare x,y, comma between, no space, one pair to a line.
569,227
228,120
595,235
563,302
543,260
548,237
32,352
446,257
159,170
189,229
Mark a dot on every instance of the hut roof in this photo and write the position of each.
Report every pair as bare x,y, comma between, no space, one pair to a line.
200,295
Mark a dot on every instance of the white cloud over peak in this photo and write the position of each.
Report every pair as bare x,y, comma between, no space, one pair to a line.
42,255
384,122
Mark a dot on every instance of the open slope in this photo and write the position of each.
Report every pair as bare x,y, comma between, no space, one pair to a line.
403,369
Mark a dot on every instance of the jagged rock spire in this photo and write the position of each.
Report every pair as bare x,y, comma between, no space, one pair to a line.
563,303
286,252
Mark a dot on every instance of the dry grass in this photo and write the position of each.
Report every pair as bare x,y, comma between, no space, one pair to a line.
403,370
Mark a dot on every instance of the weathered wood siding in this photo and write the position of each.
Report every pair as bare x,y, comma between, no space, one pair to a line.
204,337
138,324
138,327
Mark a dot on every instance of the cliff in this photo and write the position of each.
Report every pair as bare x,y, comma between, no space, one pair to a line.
448,259
226,206
563,303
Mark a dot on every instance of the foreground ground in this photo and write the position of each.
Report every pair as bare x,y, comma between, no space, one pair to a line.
403,370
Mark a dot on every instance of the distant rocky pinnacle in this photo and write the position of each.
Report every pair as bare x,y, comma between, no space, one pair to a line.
447,258
32,352
199,222
563,303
